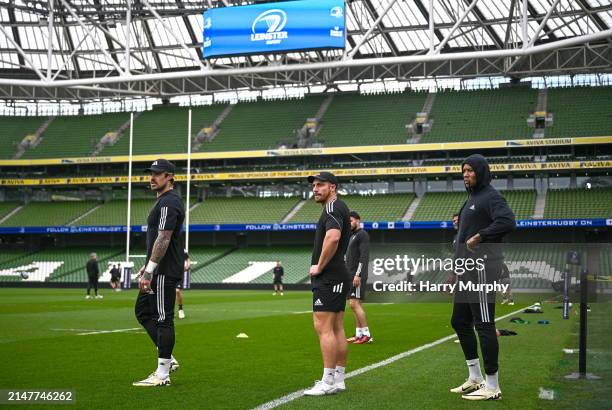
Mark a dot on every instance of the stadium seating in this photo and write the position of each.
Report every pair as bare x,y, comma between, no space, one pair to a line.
115,213
522,202
263,124
580,111
49,213
481,115
75,136
354,119
295,260
73,262
579,203
388,207
242,210
164,130
439,206
12,131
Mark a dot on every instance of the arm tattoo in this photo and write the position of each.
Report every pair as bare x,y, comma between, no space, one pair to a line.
160,246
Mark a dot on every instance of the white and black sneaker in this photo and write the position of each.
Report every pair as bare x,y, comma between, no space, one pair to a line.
152,381
484,393
469,386
321,388
174,365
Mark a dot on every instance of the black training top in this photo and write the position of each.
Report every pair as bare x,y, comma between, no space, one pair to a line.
335,215
168,214
92,267
358,253
485,212
278,271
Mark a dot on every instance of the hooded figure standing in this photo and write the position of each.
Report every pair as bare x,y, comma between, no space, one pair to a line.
484,219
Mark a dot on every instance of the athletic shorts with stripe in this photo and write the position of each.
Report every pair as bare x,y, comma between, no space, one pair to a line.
330,295
159,304
359,292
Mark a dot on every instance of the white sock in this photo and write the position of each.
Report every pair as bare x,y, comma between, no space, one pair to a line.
358,332
492,381
366,331
474,369
339,375
163,368
328,375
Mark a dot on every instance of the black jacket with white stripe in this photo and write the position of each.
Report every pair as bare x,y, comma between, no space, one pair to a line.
358,253
485,212
168,214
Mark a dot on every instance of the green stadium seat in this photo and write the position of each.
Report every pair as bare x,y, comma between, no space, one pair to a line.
382,207
49,213
75,136
13,130
580,112
498,114
263,124
242,210
354,119
579,203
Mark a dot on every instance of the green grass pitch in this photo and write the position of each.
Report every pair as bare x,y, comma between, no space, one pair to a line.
42,348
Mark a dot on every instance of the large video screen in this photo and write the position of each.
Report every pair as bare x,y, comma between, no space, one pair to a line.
274,27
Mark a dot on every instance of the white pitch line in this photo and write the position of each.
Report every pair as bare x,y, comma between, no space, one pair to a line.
297,394
98,332
73,330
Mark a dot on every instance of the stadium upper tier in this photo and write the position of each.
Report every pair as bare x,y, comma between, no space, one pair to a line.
344,120
354,119
481,115
433,206
580,111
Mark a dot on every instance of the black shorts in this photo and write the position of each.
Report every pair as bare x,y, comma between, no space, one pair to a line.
330,295
179,284
278,280
360,291
159,304
114,279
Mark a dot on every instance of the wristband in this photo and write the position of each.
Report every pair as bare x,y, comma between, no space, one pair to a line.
151,267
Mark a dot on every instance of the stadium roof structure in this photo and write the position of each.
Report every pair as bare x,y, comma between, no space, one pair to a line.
97,49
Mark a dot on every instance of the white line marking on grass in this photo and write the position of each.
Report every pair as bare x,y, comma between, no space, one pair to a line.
73,330
302,312
297,394
98,332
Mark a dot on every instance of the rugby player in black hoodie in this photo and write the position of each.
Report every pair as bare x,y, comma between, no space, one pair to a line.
484,219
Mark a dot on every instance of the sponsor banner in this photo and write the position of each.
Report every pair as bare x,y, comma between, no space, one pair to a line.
364,149
381,225
344,172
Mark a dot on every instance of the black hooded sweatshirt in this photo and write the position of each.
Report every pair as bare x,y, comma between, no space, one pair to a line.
485,212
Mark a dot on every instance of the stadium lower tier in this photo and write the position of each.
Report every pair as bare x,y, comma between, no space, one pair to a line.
433,206
531,266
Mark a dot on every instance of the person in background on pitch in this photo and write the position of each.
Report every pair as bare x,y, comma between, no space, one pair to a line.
331,282
164,266
115,273
182,284
484,219
93,274
505,279
278,278
357,258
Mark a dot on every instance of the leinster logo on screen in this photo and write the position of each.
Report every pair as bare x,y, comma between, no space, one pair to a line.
268,27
